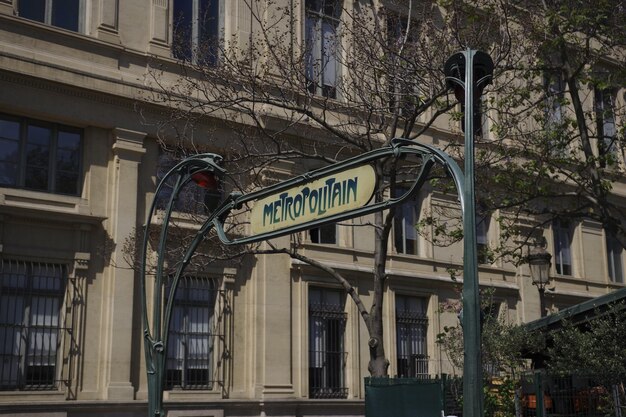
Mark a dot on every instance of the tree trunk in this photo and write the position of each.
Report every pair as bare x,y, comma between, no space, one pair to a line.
378,364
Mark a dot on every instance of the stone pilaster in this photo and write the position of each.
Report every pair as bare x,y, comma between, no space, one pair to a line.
122,213
274,378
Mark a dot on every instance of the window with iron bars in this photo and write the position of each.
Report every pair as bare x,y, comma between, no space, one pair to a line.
327,358
196,335
411,331
35,325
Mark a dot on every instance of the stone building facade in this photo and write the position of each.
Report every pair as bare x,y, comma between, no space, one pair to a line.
77,174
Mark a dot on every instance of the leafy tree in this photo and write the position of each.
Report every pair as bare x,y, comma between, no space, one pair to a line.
504,344
551,142
266,103
595,348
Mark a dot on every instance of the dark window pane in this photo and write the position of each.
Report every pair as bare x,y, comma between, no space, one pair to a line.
9,129
38,135
209,19
26,156
68,140
183,18
36,178
37,156
65,14
33,9
9,150
313,5
8,173
67,160
66,183
67,163
208,31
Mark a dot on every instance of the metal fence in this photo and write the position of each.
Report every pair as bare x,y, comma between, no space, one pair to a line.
563,396
546,395
426,396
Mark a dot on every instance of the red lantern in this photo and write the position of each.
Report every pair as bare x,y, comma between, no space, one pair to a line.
206,180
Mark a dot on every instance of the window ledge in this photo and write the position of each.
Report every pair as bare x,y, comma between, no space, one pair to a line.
191,395
20,202
31,396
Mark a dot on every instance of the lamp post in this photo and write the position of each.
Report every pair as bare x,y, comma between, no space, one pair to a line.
539,262
467,73
204,171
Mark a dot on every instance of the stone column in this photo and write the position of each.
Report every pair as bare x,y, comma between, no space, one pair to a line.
122,219
274,378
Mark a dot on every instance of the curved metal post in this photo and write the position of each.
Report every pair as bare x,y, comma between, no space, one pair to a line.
155,337
156,345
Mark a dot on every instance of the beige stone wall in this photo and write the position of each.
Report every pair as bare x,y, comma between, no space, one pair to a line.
92,80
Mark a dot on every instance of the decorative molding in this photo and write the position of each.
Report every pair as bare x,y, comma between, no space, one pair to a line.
160,25
70,91
6,7
81,261
128,144
109,10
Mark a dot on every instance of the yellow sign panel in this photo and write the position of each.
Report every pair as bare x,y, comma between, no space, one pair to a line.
334,194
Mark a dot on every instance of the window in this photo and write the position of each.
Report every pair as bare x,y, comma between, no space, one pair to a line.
555,88
192,335
322,45
192,199
324,234
65,14
197,30
555,95
483,222
405,225
402,77
40,156
327,358
31,324
605,119
614,257
411,327
562,232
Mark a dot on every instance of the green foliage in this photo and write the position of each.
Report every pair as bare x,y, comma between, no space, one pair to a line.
500,397
503,343
595,348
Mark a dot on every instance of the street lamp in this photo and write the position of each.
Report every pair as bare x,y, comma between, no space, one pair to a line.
204,171
467,73
539,262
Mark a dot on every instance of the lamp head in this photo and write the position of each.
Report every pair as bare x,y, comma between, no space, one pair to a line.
454,70
206,179
539,262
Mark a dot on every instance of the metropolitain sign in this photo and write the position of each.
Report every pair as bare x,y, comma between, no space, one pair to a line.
316,200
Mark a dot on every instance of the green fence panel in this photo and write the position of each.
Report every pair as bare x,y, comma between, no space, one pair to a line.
403,397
